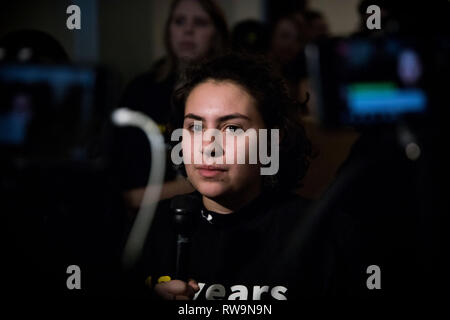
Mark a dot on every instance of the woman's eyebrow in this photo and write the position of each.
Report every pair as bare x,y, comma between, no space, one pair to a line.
193,116
220,119
233,116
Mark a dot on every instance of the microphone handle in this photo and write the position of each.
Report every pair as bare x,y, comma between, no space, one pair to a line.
182,257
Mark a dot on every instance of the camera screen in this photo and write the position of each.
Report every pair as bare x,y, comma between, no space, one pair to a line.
364,82
44,108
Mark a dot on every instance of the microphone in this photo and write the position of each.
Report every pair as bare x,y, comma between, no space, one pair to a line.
183,207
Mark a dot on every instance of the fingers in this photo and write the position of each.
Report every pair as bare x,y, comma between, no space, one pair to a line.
182,298
163,290
177,289
193,284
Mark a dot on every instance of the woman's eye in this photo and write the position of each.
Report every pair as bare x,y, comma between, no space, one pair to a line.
201,22
179,21
196,128
232,129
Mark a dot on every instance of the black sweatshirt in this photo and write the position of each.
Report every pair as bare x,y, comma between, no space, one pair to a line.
237,256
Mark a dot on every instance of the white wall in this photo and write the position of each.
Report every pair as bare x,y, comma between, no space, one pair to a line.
238,10
125,35
342,15
159,11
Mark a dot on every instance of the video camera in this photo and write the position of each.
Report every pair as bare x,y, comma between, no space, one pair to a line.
57,190
50,112
372,81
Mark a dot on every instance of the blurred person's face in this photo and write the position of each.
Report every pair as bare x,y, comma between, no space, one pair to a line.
318,28
302,33
191,31
226,107
286,43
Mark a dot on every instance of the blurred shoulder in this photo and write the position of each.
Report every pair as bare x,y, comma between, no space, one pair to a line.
290,205
291,200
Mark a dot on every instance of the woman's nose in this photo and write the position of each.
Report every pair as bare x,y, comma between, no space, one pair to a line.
212,147
188,27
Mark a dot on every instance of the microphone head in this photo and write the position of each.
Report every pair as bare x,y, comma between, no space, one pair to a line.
185,203
184,207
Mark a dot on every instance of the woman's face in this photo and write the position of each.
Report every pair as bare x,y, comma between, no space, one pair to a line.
286,43
191,31
224,106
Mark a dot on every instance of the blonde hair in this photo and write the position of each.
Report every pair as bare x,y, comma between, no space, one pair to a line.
220,41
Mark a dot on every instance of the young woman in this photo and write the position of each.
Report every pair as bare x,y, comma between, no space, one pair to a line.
245,218
195,30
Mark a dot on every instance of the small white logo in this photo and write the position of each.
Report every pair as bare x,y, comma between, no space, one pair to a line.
373,21
374,280
74,20
74,280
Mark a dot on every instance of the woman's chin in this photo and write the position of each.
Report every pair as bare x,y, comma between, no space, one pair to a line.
211,189
189,57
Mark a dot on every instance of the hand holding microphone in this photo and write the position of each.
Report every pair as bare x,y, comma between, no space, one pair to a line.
177,289
183,207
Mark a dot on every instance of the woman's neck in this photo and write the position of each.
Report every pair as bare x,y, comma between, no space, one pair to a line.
230,204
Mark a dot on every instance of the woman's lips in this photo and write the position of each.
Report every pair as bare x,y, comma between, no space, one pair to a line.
210,171
186,45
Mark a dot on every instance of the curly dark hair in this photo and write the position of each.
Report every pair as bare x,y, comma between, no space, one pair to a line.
269,90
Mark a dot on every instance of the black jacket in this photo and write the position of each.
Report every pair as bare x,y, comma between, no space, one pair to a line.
240,255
